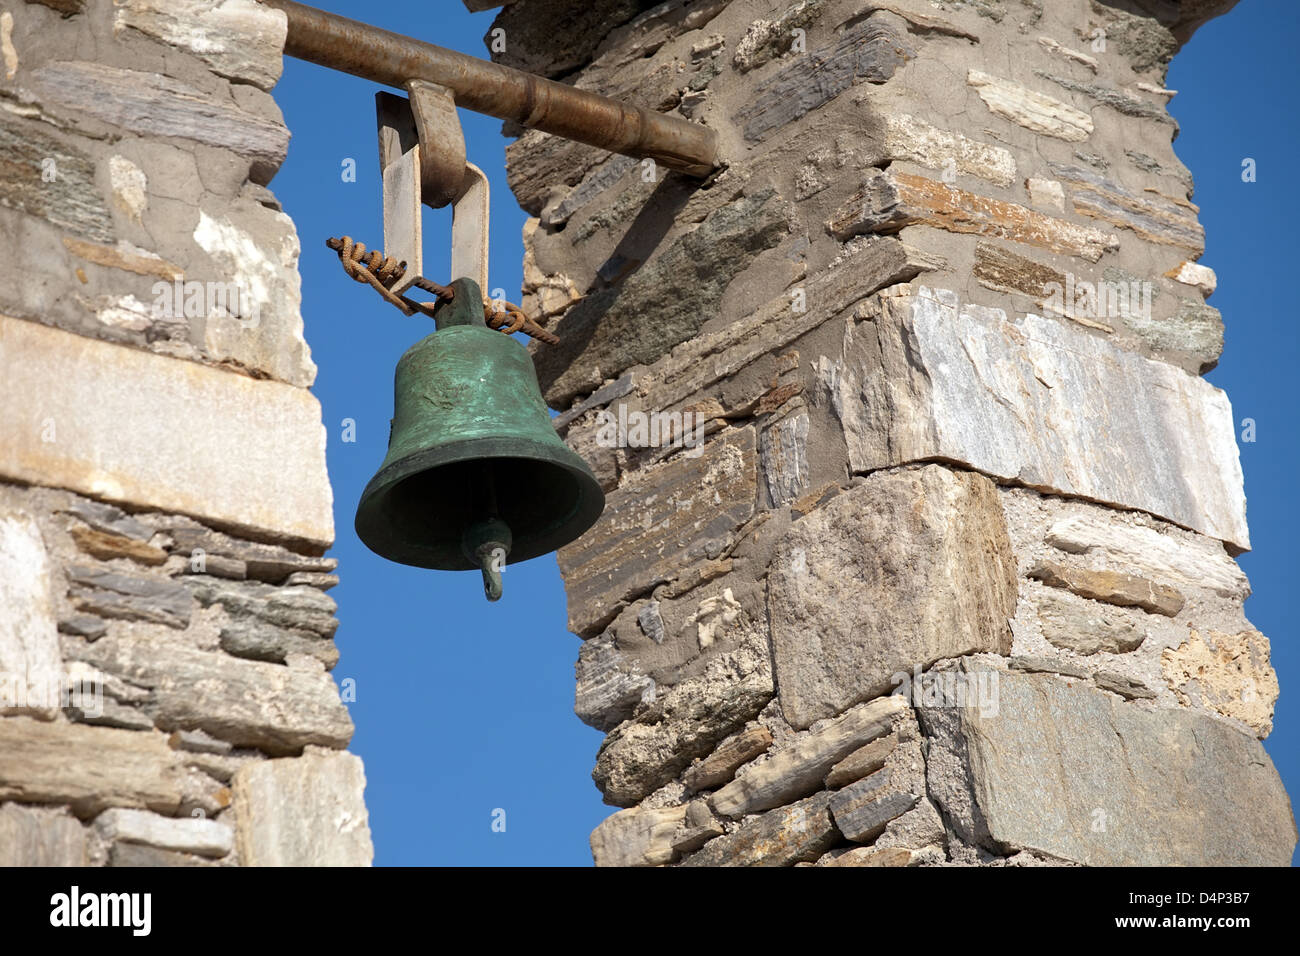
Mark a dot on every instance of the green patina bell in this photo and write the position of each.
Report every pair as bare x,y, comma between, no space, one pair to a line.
475,476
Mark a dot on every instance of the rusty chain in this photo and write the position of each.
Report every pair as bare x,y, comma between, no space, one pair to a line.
381,272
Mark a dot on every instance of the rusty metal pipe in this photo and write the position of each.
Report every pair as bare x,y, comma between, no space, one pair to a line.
486,87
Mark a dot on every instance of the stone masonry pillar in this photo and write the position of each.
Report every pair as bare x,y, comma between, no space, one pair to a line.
921,524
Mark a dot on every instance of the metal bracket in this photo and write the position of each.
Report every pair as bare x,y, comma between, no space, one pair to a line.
422,161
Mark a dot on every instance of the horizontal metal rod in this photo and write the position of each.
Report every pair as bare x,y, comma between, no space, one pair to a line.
486,87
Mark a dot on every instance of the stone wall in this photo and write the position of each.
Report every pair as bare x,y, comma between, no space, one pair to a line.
927,354
165,632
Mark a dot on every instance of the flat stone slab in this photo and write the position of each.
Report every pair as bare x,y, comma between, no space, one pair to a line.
302,811
129,426
924,560
1041,403
1064,769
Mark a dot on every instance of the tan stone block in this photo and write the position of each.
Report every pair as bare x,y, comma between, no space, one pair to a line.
302,811
124,425
1230,673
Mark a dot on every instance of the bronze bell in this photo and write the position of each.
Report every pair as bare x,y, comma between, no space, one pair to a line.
475,476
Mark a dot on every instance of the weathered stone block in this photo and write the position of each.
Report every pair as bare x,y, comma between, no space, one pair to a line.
150,104
870,50
800,832
1113,587
637,837
890,200
698,502
721,765
609,686
121,424
1070,771
241,39
661,304
305,811
29,639
70,201
136,597
797,770
862,810
1228,673
1032,110
1022,400
926,556
93,768
249,703
36,836
1175,558
199,836
686,722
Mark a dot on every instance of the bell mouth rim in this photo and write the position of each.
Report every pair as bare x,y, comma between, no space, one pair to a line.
372,528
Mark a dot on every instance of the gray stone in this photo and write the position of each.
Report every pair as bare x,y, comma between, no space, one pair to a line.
70,200
870,50
307,811
1194,328
135,855
1067,770
721,765
29,639
111,713
642,539
798,769
688,721
241,39
1042,665
783,455
134,597
926,554
83,625
264,642
149,104
36,836
271,563
609,686
1116,99
1126,687
275,708
650,622
1150,215
930,379
198,836
862,810
556,37
109,519
862,267
297,608
800,832
93,768
196,741
682,288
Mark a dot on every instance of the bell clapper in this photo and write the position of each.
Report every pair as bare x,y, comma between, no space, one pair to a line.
487,540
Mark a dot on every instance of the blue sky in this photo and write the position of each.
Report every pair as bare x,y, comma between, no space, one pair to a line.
465,708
